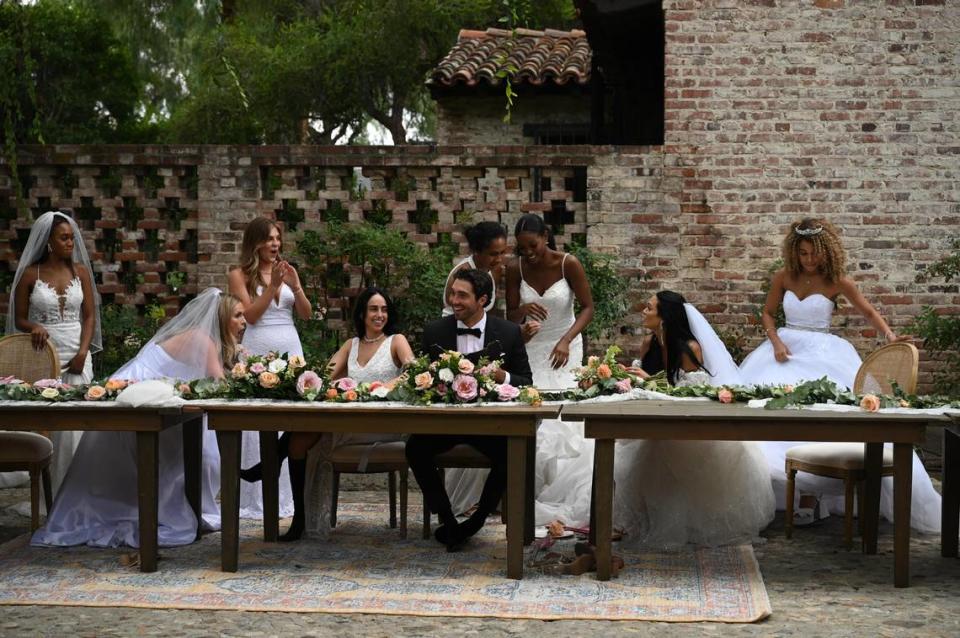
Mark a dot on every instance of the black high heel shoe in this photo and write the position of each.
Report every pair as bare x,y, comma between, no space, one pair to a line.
255,473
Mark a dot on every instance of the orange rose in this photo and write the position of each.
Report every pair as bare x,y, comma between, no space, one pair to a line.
870,403
114,385
604,371
268,380
95,393
331,393
350,395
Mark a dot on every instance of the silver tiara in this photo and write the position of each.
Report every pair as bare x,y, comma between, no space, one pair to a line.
808,232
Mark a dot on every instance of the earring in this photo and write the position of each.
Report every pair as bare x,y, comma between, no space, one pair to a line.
49,248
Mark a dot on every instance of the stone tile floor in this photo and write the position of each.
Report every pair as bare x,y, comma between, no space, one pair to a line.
816,588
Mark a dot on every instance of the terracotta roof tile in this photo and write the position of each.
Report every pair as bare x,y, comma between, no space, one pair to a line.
541,57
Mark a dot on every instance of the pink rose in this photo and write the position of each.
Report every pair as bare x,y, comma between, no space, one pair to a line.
465,387
788,388
725,396
47,383
184,389
442,388
623,385
506,392
268,380
423,380
95,393
870,403
345,384
257,368
465,366
309,380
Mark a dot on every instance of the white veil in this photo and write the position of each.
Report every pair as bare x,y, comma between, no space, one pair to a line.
716,358
35,250
190,342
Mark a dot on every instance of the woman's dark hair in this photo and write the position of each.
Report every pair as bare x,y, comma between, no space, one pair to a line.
481,282
531,223
61,217
676,337
392,326
480,236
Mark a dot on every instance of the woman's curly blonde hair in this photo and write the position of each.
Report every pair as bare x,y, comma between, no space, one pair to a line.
826,242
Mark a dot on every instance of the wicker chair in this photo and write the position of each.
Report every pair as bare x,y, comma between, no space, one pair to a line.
895,362
386,457
27,451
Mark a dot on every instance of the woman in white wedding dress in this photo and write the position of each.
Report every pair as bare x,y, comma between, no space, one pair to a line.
812,279
670,493
377,354
54,297
97,504
270,290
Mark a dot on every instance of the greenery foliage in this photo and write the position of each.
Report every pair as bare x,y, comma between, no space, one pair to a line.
124,332
609,290
941,333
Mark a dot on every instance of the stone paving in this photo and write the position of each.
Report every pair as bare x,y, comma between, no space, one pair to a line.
816,588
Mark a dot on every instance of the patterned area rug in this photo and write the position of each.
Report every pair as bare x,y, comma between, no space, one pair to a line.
366,568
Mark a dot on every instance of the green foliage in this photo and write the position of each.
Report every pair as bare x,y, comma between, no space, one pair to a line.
373,255
124,332
609,290
941,333
779,319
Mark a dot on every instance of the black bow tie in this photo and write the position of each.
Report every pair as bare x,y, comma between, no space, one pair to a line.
476,332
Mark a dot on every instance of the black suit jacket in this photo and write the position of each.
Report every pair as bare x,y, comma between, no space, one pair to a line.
501,340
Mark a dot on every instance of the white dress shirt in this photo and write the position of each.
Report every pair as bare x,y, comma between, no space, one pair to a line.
468,344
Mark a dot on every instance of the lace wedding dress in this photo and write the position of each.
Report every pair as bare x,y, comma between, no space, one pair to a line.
381,367
97,504
815,353
274,331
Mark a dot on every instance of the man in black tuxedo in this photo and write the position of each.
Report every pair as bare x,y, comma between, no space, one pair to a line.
471,331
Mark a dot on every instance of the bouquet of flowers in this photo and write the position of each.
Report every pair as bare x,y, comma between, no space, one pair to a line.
605,376
453,379
55,390
269,376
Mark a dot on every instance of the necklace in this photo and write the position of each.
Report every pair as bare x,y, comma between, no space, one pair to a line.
365,340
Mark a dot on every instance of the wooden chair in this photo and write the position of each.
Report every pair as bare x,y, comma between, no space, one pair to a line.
387,457
896,362
27,451
459,456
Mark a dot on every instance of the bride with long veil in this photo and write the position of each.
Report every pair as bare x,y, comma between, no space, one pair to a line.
670,493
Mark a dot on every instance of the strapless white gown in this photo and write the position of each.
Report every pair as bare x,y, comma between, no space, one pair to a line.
815,353
97,504
274,331
64,329
317,496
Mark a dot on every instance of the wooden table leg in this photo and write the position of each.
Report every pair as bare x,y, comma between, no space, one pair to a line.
192,466
530,478
229,499
603,505
148,456
902,495
950,520
516,481
270,486
873,466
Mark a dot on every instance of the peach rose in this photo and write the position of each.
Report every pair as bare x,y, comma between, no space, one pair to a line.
904,403
239,371
331,393
788,388
115,385
268,380
725,396
465,366
95,393
593,360
350,395
423,380
184,389
870,402
296,361
604,371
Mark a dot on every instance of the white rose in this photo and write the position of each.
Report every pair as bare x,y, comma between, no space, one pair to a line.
446,375
381,392
277,365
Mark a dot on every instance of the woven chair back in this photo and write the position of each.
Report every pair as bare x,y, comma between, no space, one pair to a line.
898,362
18,358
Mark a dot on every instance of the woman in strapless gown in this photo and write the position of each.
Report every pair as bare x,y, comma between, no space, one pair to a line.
54,298
98,502
377,353
804,350
271,293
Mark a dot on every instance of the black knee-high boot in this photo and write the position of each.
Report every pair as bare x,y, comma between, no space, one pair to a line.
298,477
255,473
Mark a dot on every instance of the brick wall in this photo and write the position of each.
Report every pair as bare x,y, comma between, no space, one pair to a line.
479,120
775,110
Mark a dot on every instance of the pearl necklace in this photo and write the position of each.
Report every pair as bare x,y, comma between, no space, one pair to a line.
365,340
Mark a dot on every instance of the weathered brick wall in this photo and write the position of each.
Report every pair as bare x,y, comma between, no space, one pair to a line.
479,120
775,110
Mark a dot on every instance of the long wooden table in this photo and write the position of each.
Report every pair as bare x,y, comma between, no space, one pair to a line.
146,423
518,423
705,421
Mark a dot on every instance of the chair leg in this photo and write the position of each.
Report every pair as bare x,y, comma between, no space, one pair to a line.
403,502
47,489
335,496
34,499
392,489
860,516
849,485
788,515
